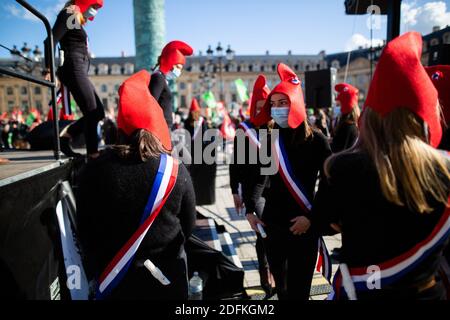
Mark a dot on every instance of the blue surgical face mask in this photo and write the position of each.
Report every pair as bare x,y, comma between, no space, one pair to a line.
90,13
174,74
280,116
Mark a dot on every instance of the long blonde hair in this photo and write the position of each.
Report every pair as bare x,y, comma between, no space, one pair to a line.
409,169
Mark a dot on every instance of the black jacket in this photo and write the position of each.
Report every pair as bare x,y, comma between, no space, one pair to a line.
374,230
345,137
161,92
73,41
247,174
111,198
307,161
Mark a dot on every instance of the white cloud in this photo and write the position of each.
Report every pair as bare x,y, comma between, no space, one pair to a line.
424,18
358,40
50,12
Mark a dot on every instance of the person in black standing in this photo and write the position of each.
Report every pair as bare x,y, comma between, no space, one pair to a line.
246,174
396,225
346,131
291,247
115,188
169,67
69,32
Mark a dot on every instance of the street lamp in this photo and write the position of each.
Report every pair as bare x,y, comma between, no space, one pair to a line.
211,67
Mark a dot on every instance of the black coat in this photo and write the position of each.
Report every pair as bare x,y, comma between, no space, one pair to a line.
345,137
374,230
247,174
160,90
307,161
111,198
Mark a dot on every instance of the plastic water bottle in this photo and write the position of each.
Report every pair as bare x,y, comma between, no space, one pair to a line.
196,287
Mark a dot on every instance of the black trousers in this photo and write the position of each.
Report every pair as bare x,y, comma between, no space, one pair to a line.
291,260
263,264
74,75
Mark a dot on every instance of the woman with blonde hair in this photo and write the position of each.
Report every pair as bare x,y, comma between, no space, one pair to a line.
397,223
346,131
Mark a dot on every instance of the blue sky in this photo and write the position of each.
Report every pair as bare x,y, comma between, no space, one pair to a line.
249,26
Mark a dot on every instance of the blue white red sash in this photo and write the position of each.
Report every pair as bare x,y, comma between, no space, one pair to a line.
396,268
198,127
250,132
162,186
297,191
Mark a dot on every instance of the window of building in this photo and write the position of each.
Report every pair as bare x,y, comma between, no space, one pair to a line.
182,86
116,69
233,97
447,38
10,105
24,104
129,68
92,70
335,64
37,90
23,90
9,91
183,103
102,69
434,42
104,88
38,105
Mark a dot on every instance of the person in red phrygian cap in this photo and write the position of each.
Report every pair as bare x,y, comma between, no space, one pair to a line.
117,187
440,75
346,131
71,36
245,176
139,110
169,67
392,184
287,215
401,80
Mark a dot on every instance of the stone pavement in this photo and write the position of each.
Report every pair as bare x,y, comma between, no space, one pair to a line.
244,237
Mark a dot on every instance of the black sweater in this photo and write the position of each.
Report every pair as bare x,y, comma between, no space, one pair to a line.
344,137
161,92
111,198
374,230
73,41
247,174
307,161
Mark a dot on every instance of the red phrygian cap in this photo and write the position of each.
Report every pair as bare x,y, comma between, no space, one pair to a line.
85,4
174,52
290,86
260,92
348,96
194,105
440,75
139,110
400,80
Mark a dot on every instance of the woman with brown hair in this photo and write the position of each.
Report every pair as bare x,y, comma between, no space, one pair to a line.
300,153
346,131
136,205
397,224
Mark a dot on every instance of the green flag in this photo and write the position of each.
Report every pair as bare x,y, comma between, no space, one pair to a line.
30,119
241,89
209,99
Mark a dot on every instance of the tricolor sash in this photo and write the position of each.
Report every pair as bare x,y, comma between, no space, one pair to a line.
162,187
250,132
395,268
297,191
198,128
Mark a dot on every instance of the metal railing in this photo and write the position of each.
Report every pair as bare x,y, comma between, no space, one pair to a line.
50,84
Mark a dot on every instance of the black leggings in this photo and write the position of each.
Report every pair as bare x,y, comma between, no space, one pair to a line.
74,75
